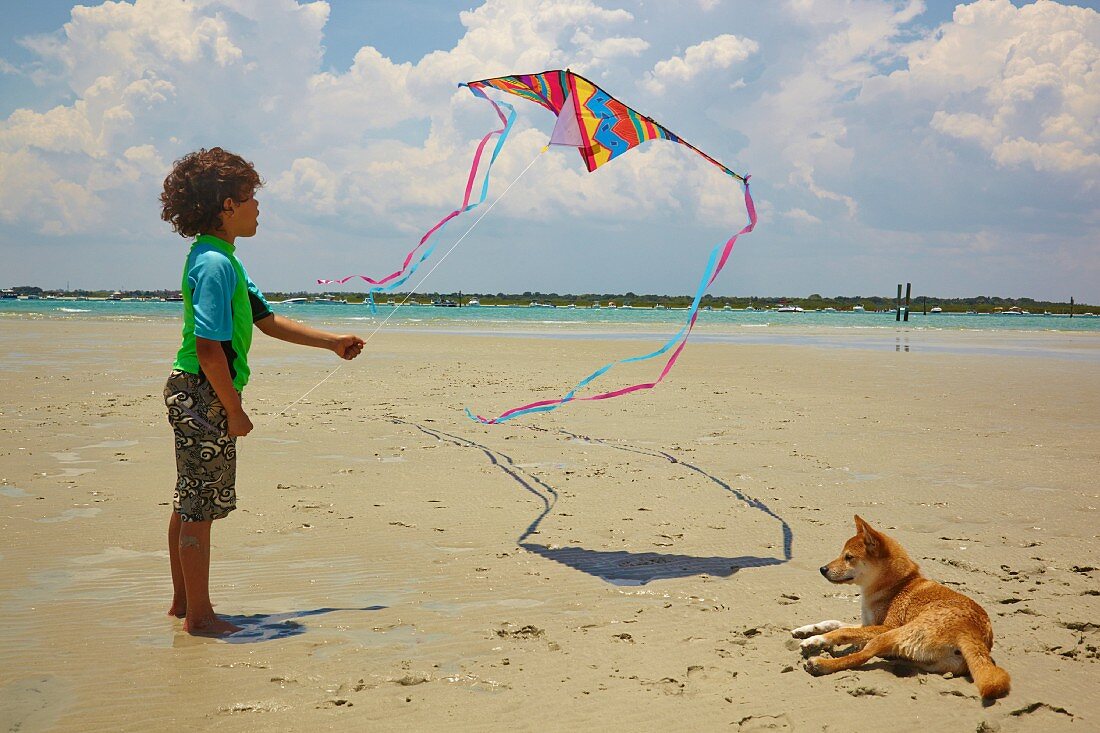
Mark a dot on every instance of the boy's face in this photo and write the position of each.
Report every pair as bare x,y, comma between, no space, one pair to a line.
242,217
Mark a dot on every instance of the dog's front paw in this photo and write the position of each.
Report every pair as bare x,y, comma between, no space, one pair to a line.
816,666
820,627
813,644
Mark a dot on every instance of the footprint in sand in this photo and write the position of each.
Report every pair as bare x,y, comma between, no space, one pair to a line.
759,723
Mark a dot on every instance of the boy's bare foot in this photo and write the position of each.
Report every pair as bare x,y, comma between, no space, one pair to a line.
178,608
209,626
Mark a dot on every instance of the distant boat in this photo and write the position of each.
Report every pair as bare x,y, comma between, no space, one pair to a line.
444,304
727,307
935,309
828,310
291,301
328,300
473,301
8,294
788,309
596,304
857,309
117,295
1013,311
749,308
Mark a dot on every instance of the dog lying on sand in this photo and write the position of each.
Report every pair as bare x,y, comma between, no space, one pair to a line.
905,616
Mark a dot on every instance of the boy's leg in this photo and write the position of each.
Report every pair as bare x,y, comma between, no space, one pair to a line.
179,589
194,550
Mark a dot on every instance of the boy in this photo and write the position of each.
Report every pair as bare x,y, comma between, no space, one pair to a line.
210,195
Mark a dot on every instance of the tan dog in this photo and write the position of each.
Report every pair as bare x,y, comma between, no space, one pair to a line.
905,616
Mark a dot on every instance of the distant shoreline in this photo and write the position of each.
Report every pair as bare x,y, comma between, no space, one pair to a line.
875,303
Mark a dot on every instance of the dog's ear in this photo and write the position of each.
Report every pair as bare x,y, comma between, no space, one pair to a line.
872,540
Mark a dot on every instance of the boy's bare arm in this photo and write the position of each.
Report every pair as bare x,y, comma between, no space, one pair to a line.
213,363
346,346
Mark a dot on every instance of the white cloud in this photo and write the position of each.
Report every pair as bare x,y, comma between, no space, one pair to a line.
30,184
1020,83
595,51
311,180
144,158
801,216
799,122
720,52
75,209
142,70
61,130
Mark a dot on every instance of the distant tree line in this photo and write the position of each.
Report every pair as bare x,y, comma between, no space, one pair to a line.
815,301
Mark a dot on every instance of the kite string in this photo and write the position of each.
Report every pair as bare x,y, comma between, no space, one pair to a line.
426,276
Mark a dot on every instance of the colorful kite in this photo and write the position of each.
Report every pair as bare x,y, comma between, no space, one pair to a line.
602,128
590,119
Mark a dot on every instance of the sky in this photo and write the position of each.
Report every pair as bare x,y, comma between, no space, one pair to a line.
952,145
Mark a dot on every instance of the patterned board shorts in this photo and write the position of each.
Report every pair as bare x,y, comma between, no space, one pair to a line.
206,457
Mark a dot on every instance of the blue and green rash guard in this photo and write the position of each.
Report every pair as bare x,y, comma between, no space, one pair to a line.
220,303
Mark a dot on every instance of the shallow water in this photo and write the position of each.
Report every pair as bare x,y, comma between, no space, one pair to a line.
504,318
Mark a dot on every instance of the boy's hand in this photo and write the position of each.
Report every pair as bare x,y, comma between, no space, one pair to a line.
239,424
348,346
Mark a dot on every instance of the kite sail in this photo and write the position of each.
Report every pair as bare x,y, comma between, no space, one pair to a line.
590,119
602,128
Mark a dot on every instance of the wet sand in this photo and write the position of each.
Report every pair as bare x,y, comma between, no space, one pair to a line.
635,564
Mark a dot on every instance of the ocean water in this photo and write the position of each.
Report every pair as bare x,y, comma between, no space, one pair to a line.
564,321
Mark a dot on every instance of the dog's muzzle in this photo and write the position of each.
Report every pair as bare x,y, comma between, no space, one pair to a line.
824,570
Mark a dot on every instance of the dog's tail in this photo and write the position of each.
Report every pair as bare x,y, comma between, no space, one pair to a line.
992,681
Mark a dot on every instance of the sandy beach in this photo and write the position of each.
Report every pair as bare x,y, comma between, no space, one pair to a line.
635,564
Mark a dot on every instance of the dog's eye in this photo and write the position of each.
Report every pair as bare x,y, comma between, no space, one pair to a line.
848,558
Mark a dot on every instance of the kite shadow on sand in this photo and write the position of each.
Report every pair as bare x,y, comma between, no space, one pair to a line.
617,566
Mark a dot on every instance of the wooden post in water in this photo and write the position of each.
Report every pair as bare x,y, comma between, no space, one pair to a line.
897,305
1071,306
908,289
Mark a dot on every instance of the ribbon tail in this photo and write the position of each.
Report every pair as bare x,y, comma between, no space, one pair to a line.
410,265
718,257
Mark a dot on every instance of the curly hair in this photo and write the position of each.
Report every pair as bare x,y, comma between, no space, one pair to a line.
200,182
